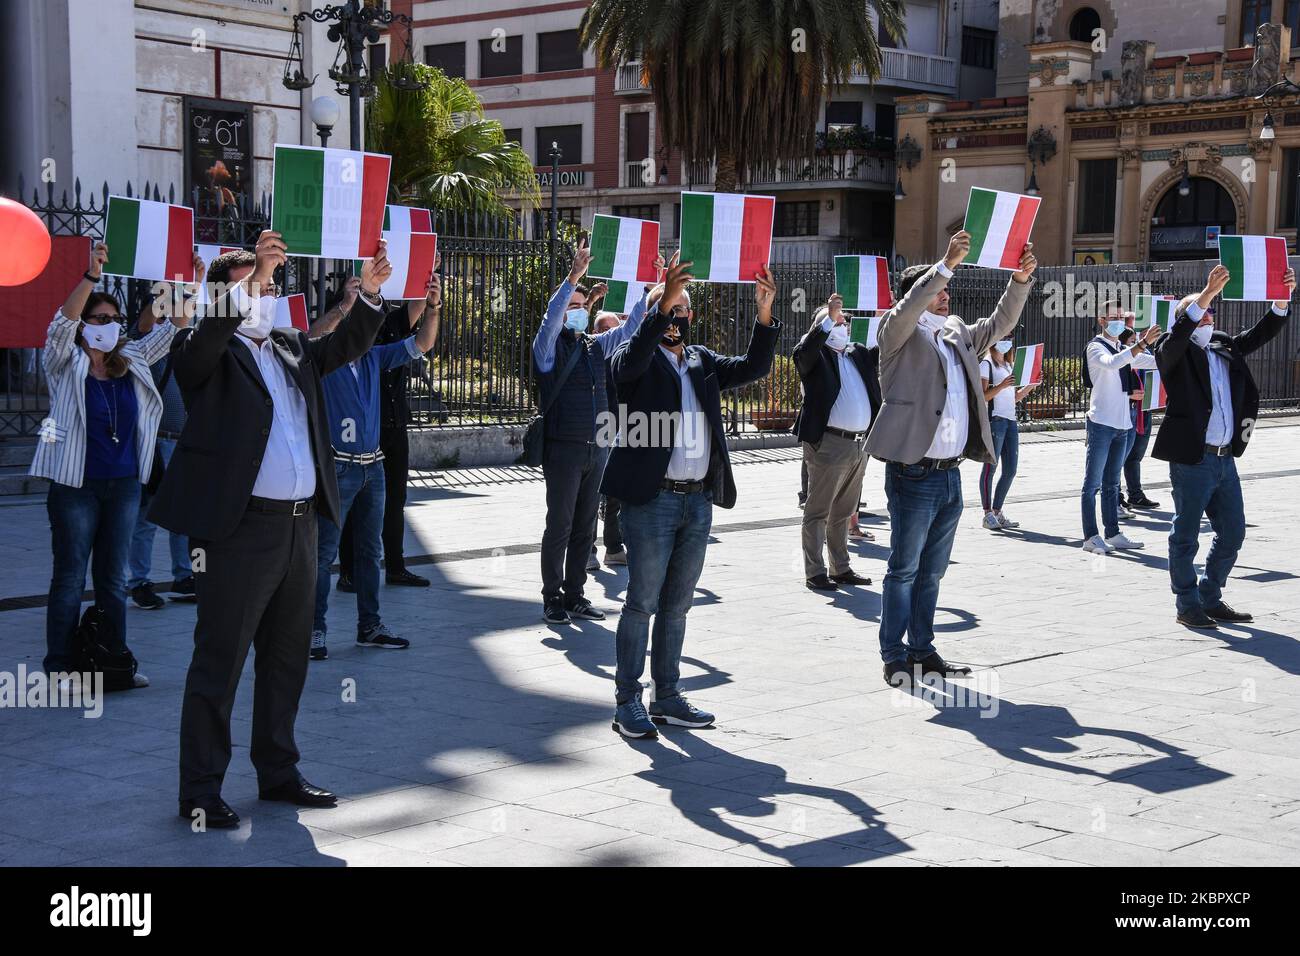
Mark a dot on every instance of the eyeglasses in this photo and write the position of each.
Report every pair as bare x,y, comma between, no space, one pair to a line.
104,317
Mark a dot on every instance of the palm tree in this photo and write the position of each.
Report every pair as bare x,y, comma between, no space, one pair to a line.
446,154
740,82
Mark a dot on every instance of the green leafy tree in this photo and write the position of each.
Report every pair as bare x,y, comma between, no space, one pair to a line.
740,82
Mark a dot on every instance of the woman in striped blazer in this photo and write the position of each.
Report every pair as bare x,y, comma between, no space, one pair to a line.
96,448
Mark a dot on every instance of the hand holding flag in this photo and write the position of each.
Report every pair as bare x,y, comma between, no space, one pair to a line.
1028,263
764,294
958,249
676,279
1288,279
375,272
270,255
1214,283
581,260
98,256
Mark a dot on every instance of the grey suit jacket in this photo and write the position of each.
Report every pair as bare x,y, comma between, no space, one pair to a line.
913,379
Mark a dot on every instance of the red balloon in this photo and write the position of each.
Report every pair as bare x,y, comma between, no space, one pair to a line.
24,243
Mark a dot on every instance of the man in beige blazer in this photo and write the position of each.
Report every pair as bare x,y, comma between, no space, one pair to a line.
934,416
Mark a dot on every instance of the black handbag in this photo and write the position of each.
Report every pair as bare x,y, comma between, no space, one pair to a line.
91,656
535,434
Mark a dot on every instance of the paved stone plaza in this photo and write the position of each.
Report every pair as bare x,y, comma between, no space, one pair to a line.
1106,733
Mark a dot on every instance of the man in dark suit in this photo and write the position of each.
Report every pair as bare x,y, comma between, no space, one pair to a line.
253,464
1211,406
841,394
669,468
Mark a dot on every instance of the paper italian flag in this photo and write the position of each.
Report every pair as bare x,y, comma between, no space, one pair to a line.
1153,390
1028,367
329,203
624,249
1155,310
149,240
1255,265
621,296
207,253
291,310
411,255
865,330
728,236
407,219
863,282
999,225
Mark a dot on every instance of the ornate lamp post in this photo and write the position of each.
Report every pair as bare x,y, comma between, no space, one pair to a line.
907,155
1041,147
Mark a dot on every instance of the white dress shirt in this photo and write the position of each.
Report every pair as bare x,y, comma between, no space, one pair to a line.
1218,431
692,442
852,409
1004,402
954,425
1109,403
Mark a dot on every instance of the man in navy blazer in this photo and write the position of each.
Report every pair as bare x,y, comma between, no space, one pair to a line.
669,468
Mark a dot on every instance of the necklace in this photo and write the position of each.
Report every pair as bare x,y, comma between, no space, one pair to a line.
112,411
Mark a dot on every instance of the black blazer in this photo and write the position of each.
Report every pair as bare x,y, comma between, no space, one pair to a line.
819,371
648,383
1185,372
206,488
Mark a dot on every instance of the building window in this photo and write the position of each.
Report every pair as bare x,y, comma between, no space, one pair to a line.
558,51
648,211
883,38
1291,17
568,138
448,57
885,120
515,135
1095,196
1083,23
796,219
507,62
1206,204
1254,13
843,113
1286,214
542,219
978,48
378,57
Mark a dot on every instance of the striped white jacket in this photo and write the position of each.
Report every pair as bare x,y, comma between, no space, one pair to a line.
61,449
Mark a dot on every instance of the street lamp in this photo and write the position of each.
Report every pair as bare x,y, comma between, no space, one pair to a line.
1041,147
1185,184
324,114
556,153
906,155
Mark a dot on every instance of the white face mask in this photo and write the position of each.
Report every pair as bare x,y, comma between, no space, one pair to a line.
934,323
262,320
1201,335
838,337
102,337
1003,347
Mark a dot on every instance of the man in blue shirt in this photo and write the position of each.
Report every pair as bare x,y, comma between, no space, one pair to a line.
352,406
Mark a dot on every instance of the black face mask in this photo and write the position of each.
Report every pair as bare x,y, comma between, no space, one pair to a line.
683,323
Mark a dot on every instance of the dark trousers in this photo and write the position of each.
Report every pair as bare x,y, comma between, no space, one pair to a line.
1133,463
255,588
397,462
613,531
573,471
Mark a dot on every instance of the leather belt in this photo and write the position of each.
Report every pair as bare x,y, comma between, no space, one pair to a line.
682,487
844,433
369,458
170,436
275,506
937,464
1218,451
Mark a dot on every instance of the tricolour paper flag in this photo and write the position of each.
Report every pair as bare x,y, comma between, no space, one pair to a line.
621,296
411,254
727,236
1028,367
1255,267
999,225
291,310
1153,390
865,330
149,240
624,249
329,203
863,282
1155,310
407,219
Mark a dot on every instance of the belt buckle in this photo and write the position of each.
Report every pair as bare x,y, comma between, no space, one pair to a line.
299,508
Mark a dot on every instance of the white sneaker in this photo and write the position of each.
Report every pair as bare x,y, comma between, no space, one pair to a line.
1006,522
139,680
1097,545
991,522
1127,514
1121,542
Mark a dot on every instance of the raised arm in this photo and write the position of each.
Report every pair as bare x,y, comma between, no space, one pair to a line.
611,340
1270,326
356,332
1006,316
1172,347
328,321
61,338
736,370
632,359
544,341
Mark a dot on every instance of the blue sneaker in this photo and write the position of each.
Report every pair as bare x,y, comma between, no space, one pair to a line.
679,712
631,720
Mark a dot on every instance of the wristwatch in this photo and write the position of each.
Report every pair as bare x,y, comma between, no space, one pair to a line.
374,298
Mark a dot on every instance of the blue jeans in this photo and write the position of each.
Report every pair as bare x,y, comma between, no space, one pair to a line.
1006,452
91,524
665,540
1107,448
361,494
1136,452
142,539
924,508
1212,488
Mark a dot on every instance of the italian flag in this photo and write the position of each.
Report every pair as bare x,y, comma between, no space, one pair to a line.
407,219
149,240
1028,367
411,255
1155,310
865,330
207,253
1153,391
999,225
624,249
728,236
621,296
863,282
1255,265
329,203
291,311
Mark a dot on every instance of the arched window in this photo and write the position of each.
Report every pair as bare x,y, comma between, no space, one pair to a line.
1083,23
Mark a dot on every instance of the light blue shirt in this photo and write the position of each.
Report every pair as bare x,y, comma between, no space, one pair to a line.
607,342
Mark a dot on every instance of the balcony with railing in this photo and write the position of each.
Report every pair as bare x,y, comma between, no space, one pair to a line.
628,79
924,72
639,173
819,170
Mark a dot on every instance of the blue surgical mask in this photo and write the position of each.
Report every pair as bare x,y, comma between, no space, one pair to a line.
576,319
1115,327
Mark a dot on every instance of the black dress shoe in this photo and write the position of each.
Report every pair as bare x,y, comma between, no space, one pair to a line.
820,582
345,584
934,664
1221,612
850,577
406,579
1142,501
212,810
898,674
299,792
1196,618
